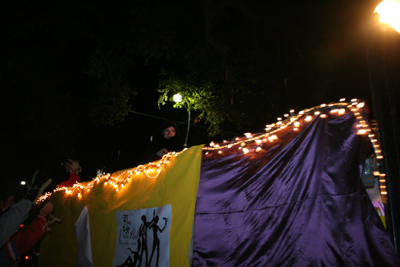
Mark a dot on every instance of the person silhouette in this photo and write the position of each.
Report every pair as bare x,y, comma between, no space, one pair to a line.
143,236
156,242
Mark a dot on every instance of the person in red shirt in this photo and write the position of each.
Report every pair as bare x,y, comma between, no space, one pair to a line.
71,166
23,240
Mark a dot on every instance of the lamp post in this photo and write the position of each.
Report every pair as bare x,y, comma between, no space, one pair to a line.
383,57
177,99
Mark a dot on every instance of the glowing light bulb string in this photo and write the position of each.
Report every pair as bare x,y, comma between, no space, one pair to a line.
245,144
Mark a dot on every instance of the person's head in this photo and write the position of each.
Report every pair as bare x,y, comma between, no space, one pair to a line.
72,166
168,130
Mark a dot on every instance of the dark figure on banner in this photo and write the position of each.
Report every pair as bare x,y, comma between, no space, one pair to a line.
143,240
156,242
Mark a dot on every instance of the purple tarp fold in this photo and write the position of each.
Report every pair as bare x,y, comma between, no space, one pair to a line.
297,202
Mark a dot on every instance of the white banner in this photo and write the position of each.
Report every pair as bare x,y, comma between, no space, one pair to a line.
143,237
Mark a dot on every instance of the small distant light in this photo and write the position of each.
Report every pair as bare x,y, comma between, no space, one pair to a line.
23,183
342,99
26,257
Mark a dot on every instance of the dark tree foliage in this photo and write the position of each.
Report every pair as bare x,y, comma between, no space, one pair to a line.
66,65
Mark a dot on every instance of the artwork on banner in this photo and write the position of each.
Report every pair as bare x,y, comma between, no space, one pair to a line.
143,237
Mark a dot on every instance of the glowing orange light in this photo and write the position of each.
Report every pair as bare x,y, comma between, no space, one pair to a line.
388,11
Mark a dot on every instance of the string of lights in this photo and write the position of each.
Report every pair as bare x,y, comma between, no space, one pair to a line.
247,144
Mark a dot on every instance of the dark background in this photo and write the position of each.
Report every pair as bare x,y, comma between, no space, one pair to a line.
291,54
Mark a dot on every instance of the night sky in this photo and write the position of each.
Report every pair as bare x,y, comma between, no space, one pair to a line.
303,53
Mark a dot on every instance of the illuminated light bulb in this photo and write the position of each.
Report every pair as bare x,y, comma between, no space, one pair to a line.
258,149
362,131
374,145
323,105
224,141
229,146
323,116
382,174
379,157
248,135
374,140
258,141
301,112
378,151
295,129
240,148
212,143
117,189
243,144
371,135
382,180
342,100
216,146
237,138
292,119
279,123
334,110
207,153
388,11
384,193
279,118
286,115
330,105
342,111
220,152
359,125
354,100
105,183
376,173
291,111
245,150
308,118
317,113
296,124
382,186
79,195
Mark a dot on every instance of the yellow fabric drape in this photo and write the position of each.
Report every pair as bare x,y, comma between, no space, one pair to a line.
176,184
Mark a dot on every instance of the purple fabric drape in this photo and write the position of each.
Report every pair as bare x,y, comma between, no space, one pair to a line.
297,202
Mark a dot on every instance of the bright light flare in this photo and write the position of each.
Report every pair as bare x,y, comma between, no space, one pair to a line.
389,11
177,98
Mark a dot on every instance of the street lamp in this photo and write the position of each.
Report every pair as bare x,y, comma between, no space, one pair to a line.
389,11
177,99
383,59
